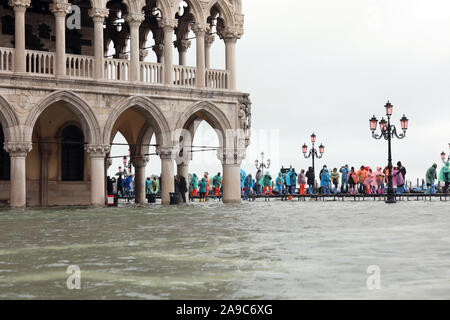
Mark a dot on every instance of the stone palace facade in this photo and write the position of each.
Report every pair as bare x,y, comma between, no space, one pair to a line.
63,99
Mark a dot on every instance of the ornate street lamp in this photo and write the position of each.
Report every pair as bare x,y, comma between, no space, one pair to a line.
388,132
262,165
313,152
443,156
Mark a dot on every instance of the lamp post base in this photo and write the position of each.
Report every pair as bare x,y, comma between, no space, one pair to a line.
391,200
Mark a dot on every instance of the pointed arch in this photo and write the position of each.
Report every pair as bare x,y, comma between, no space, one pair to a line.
9,122
77,105
148,109
210,113
225,10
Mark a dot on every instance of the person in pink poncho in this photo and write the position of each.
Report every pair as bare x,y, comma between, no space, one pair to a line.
370,181
380,180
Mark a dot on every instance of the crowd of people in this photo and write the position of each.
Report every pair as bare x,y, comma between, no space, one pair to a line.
346,180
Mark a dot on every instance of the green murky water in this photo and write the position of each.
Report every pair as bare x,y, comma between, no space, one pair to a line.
276,250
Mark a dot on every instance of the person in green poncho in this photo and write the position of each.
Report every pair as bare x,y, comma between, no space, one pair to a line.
154,186
444,176
217,183
430,177
193,185
266,182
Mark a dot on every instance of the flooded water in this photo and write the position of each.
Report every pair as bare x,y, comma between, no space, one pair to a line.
276,250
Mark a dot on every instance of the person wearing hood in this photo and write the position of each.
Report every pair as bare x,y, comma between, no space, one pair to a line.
430,177
444,176
361,176
379,176
302,181
217,183
398,180
266,182
287,182
310,178
193,185
344,184
352,181
203,187
248,185
369,181
325,181
148,182
335,179
279,183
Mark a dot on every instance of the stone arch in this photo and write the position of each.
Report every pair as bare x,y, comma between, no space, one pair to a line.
225,10
9,122
210,113
77,105
197,10
149,110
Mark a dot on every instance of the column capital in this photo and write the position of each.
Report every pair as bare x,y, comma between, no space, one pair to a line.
231,156
182,45
168,23
200,28
97,150
134,18
169,153
60,9
19,4
140,161
18,149
209,40
230,33
98,14
108,162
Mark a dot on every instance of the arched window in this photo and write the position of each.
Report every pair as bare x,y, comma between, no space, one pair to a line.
72,154
4,159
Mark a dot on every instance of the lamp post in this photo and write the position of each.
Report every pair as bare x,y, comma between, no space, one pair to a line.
443,156
388,132
125,163
262,165
313,153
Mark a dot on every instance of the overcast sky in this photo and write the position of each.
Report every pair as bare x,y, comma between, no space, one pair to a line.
327,66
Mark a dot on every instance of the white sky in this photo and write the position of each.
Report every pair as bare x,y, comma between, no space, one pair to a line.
327,66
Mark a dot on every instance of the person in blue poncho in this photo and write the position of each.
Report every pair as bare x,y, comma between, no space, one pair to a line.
344,180
126,186
243,175
248,186
325,181
287,181
293,183
279,183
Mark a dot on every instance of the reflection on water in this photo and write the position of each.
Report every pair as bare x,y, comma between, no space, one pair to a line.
276,250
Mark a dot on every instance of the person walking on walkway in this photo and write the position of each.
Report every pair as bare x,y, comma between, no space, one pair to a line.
293,182
361,176
325,181
279,183
401,187
430,177
310,179
444,176
379,175
352,181
258,177
217,182
344,178
335,180
193,185
266,182
302,181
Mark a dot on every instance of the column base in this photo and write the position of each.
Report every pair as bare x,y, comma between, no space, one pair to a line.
232,201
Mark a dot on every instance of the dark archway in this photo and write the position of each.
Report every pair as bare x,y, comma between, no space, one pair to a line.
5,163
72,154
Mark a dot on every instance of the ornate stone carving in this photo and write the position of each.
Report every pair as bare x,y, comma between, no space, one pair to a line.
60,8
98,14
140,161
231,155
230,33
19,3
200,28
245,117
209,40
168,23
167,152
98,150
17,149
182,45
134,18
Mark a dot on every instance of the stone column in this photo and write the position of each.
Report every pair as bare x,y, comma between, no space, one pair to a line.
134,21
98,16
209,40
97,154
18,152
182,46
19,6
167,155
231,165
168,25
200,32
60,10
140,163
230,36
159,51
